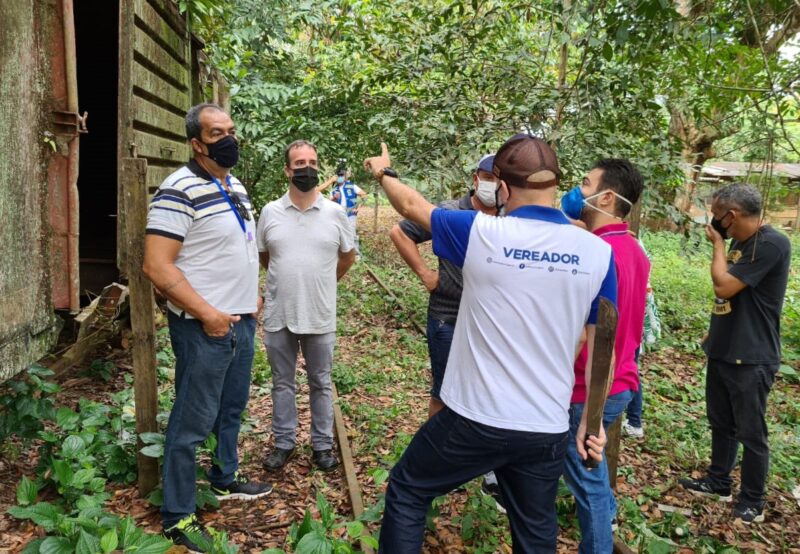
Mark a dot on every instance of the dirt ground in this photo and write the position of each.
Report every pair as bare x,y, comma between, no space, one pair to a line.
260,525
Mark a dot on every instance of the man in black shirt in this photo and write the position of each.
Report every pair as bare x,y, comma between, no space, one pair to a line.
445,284
743,345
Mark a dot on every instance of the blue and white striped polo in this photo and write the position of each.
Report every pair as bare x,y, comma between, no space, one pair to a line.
218,258
532,282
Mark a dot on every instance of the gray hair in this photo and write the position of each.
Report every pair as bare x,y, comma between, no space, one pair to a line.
738,195
193,126
296,144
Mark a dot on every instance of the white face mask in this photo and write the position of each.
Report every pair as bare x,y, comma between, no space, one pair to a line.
586,202
486,192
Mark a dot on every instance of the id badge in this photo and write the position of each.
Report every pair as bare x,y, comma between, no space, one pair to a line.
250,244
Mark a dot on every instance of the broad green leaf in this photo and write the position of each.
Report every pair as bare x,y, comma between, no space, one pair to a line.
153,450
152,438
787,370
87,544
355,529
67,419
109,541
56,545
26,492
63,471
314,543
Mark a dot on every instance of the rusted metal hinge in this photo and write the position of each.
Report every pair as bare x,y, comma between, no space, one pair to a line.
70,123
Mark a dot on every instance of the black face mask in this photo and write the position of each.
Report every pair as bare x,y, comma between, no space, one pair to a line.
225,152
305,178
717,225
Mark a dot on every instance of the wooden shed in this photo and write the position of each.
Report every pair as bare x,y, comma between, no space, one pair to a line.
84,84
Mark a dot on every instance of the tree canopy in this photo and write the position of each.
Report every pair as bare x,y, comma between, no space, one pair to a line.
445,81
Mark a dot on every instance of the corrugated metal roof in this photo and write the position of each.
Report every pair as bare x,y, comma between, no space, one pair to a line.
723,169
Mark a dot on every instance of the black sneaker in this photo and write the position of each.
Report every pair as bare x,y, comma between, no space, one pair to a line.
242,489
748,514
191,534
325,460
493,490
278,458
702,487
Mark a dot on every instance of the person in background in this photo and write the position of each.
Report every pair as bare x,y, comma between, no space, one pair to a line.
602,201
348,195
306,245
743,346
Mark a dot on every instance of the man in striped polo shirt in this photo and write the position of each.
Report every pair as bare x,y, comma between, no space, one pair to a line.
200,252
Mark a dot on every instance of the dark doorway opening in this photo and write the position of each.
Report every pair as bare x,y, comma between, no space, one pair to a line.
97,45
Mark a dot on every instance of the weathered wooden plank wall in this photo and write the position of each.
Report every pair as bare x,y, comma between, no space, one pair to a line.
155,92
27,323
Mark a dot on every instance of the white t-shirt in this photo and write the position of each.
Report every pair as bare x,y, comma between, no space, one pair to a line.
303,249
218,257
531,283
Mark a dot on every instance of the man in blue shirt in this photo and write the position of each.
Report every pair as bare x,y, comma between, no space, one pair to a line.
532,284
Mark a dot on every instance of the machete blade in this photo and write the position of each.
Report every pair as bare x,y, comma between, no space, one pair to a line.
602,373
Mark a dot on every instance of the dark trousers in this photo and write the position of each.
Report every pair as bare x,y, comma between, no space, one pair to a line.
736,403
212,386
450,450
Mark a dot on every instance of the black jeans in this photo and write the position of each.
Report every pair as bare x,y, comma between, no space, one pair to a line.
736,403
450,450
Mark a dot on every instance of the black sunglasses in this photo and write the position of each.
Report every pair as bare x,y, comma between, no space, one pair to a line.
240,207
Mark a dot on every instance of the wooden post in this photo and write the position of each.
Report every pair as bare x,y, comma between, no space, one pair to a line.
350,474
797,215
635,217
134,188
613,435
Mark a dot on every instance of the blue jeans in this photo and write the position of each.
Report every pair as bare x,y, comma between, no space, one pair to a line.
634,409
593,496
450,450
212,386
440,337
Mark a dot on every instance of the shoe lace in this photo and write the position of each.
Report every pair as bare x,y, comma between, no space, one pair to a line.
192,525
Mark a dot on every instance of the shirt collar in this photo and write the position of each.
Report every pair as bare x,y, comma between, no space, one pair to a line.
287,203
198,170
542,213
612,228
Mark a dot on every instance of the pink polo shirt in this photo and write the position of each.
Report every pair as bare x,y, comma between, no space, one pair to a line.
633,271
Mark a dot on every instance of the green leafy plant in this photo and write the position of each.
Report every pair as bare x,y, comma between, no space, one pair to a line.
26,403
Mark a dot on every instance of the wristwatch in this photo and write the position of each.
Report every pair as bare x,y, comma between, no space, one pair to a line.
388,171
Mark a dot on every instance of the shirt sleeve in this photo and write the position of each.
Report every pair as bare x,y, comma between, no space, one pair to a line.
171,214
608,289
414,231
751,269
261,229
450,231
347,240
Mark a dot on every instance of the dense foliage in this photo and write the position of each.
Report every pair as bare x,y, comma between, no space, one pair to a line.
444,81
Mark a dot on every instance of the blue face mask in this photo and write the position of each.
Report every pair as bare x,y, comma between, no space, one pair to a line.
572,203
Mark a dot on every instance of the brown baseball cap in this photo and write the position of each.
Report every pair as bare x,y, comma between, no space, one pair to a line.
528,162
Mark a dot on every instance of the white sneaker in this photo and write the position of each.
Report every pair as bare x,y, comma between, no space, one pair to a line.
631,431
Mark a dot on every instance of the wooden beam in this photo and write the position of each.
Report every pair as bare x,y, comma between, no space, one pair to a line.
142,301
351,478
613,436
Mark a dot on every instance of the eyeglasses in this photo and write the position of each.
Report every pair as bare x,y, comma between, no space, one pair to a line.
240,207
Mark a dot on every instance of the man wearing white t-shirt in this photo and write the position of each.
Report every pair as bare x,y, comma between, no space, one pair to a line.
532,283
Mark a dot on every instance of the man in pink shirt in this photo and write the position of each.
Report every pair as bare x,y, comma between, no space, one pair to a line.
602,201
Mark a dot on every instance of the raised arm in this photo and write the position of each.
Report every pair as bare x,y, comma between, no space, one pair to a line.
408,202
